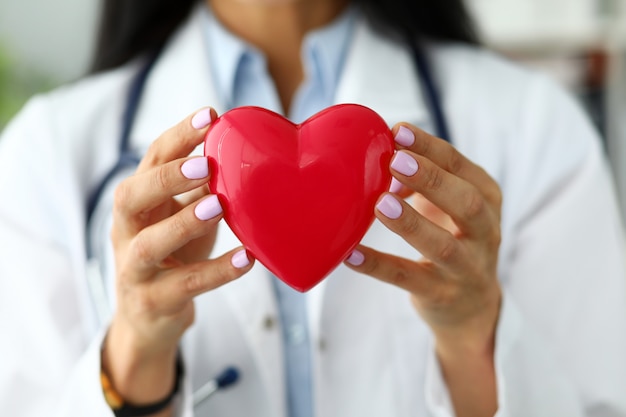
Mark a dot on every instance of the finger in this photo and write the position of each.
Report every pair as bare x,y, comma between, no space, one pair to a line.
146,190
458,198
155,243
177,286
447,157
432,241
183,200
433,213
415,277
179,140
400,189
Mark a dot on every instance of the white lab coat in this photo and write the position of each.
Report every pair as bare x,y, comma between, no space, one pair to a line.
561,337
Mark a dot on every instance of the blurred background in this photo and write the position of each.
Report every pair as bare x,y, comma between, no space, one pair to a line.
581,43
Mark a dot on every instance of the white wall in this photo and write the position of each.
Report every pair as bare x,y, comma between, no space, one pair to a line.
540,23
54,37
563,30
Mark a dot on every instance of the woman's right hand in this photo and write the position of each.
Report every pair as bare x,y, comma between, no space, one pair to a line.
164,226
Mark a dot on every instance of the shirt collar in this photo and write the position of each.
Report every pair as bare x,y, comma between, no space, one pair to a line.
324,50
323,53
226,52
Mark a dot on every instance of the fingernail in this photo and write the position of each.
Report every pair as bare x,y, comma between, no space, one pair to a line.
195,168
240,259
395,186
201,119
356,258
405,136
390,207
208,208
404,163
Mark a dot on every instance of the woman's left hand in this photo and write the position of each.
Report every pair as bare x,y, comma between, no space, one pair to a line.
456,228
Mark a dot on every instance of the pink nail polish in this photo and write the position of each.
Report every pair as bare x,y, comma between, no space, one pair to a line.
208,208
201,119
390,207
195,168
404,163
356,258
395,186
405,136
240,259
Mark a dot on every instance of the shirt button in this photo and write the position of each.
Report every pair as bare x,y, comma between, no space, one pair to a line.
269,322
321,344
296,334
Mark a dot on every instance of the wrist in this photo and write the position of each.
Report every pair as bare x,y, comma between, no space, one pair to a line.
465,350
467,364
475,335
140,375
122,408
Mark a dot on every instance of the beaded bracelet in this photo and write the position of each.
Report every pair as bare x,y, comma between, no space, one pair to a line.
124,409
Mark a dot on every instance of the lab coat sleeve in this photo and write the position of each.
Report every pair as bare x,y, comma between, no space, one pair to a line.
520,364
85,380
45,335
51,342
561,335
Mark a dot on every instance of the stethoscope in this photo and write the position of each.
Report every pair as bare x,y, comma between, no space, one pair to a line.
128,161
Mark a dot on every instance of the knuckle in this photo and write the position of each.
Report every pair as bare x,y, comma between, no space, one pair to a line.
193,281
144,300
141,251
495,237
178,228
224,273
400,277
371,265
122,195
150,158
491,190
423,144
410,225
434,179
161,178
443,296
455,161
495,195
448,250
475,205
199,278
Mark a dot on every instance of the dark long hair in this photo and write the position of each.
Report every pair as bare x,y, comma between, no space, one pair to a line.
129,28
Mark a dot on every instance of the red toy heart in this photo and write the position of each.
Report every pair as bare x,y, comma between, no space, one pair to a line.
299,197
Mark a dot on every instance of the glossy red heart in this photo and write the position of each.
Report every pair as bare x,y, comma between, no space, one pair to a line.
299,197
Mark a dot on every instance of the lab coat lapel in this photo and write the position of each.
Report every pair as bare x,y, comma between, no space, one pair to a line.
180,83
253,301
380,74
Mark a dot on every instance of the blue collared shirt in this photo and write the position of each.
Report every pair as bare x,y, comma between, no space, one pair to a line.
241,78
